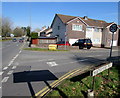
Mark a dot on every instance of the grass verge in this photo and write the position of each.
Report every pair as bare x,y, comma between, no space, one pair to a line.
78,86
41,49
5,39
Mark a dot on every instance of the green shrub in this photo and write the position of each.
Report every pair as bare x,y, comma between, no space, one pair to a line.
34,35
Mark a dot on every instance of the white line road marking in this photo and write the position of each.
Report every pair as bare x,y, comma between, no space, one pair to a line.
13,59
83,60
20,51
14,67
10,72
16,56
46,60
5,79
5,68
10,63
1,73
0,87
52,64
42,60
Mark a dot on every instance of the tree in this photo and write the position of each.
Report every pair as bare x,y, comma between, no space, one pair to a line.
34,35
37,30
24,30
28,31
18,32
6,26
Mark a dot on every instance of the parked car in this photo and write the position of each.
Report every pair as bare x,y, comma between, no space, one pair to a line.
21,40
83,43
14,39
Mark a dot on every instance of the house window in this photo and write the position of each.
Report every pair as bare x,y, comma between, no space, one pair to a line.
42,34
77,27
58,27
89,29
98,30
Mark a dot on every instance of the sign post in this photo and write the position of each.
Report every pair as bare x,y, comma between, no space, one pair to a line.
113,28
99,70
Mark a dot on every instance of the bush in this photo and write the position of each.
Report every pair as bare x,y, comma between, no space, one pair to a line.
34,35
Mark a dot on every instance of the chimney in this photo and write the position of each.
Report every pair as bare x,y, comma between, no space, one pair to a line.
85,17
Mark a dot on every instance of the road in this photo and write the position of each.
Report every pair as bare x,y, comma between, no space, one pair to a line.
9,51
31,71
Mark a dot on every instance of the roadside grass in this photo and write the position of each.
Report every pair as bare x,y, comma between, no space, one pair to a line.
78,86
42,49
5,39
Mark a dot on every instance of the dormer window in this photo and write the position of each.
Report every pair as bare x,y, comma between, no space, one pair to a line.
85,17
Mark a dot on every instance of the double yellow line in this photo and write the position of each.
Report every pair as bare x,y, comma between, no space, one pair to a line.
55,83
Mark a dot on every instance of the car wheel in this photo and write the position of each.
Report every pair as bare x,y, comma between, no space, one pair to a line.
88,47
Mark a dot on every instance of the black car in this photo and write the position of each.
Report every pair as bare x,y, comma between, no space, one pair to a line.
14,39
20,40
83,43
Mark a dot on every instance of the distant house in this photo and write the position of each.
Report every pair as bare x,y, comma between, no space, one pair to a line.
46,32
44,38
70,28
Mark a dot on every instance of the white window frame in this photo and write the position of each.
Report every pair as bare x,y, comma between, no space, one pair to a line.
89,29
96,30
76,27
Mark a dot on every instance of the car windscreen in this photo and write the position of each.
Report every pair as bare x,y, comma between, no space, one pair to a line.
81,41
88,41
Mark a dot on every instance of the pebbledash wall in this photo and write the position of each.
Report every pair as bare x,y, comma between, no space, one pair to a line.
73,35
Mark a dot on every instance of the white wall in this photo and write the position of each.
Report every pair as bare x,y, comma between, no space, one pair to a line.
72,41
96,37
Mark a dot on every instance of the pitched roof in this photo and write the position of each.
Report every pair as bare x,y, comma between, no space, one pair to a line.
65,18
46,30
88,21
107,24
119,26
93,22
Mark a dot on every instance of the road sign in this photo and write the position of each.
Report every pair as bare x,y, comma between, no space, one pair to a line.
113,28
100,69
